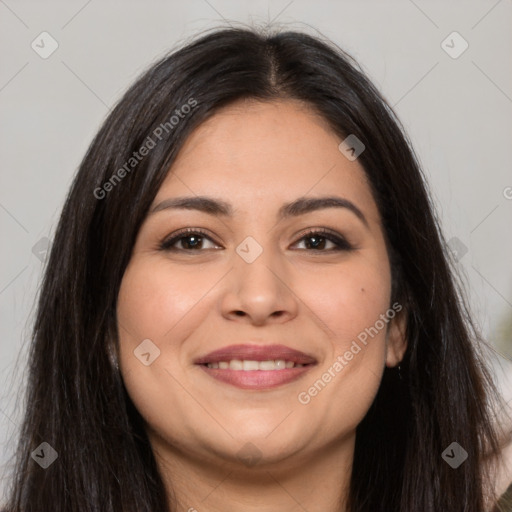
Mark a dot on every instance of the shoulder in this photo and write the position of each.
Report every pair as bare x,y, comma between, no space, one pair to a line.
505,502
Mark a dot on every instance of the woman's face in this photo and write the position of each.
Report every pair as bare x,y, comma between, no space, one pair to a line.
259,273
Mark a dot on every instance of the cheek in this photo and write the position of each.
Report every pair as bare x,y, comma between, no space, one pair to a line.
349,302
349,299
153,300
157,304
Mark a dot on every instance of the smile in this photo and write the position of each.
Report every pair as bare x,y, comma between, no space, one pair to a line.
248,365
256,367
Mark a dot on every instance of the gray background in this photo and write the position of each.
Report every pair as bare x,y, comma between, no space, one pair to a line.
457,112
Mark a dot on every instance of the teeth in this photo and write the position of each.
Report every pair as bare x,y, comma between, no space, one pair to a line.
248,365
267,365
236,364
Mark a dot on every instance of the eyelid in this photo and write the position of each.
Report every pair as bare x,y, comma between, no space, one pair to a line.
167,242
337,238
340,241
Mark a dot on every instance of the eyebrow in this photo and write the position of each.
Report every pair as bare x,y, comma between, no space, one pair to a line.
300,206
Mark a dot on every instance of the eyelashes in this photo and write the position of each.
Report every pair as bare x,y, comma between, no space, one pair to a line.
319,237
340,242
198,234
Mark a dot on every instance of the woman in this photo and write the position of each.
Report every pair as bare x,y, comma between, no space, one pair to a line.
249,306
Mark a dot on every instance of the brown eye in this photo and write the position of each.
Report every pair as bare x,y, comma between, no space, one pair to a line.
318,239
190,240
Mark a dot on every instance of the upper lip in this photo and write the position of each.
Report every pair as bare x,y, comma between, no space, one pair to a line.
256,353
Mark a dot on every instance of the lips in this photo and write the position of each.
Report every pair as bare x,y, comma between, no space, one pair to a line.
256,353
256,367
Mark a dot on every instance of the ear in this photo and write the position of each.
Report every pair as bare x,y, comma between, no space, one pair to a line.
396,341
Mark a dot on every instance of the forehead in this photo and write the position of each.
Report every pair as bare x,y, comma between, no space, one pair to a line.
279,150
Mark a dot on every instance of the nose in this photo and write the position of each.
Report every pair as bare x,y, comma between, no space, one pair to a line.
259,292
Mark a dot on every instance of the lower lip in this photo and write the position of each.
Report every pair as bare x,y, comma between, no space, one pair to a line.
257,379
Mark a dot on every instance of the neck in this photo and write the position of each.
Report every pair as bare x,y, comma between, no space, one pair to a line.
301,482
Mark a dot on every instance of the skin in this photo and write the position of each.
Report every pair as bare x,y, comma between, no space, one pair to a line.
258,156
